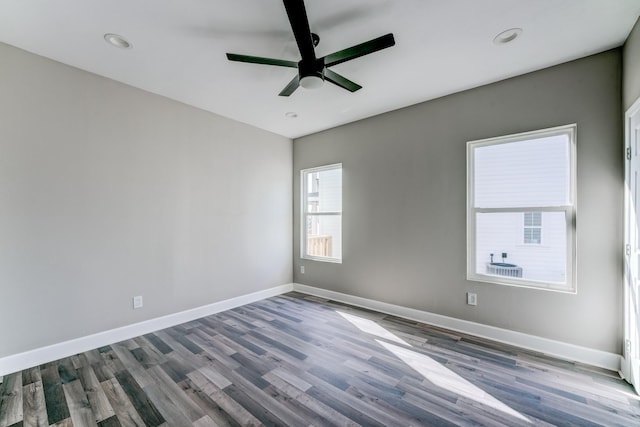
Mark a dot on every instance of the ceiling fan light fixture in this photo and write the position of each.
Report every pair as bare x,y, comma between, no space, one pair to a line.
117,41
313,71
507,36
311,82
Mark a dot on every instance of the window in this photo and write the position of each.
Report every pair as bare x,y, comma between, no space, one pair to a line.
321,234
532,228
521,209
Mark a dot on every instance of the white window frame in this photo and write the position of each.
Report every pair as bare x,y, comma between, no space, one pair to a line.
569,210
304,173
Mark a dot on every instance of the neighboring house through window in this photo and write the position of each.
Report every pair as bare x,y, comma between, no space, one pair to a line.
521,209
321,221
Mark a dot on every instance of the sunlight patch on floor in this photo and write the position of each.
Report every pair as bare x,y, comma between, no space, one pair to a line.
371,327
447,379
429,368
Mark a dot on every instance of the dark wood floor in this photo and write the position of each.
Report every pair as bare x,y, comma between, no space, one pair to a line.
296,360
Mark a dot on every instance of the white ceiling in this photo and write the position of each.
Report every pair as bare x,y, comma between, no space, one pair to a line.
442,46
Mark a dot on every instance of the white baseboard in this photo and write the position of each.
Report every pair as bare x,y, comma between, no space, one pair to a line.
18,362
547,346
28,359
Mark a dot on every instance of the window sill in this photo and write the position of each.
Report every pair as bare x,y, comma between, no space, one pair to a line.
322,259
522,283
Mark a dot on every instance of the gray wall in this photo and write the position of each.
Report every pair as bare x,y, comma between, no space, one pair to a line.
404,197
107,192
631,68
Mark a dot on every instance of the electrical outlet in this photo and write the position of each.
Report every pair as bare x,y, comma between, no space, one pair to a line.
137,302
302,269
472,298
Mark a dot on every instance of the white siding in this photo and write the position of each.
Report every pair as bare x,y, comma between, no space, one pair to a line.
503,232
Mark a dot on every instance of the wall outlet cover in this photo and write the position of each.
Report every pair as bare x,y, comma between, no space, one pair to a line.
472,298
137,302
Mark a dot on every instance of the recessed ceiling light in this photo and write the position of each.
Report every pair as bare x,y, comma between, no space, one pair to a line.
507,36
291,114
117,41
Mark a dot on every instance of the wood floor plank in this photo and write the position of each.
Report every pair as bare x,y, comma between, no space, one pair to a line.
110,422
110,364
31,375
358,367
356,400
158,343
328,415
140,400
250,403
177,367
393,404
11,400
339,405
297,408
291,378
175,345
219,353
67,422
243,316
208,406
278,345
176,394
145,358
34,408
92,357
215,377
79,407
96,396
254,398
78,361
66,370
477,415
125,411
149,348
183,339
102,371
205,421
241,415
166,406
54,397
131,366
437,405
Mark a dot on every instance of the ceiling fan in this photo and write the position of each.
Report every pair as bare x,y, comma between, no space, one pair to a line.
313,71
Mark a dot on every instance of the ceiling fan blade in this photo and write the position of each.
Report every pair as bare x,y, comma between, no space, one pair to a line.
291,87
359,50
300,26
338,80
261,60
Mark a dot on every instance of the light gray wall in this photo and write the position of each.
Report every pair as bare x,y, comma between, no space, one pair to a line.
631,68
404,195
107,192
